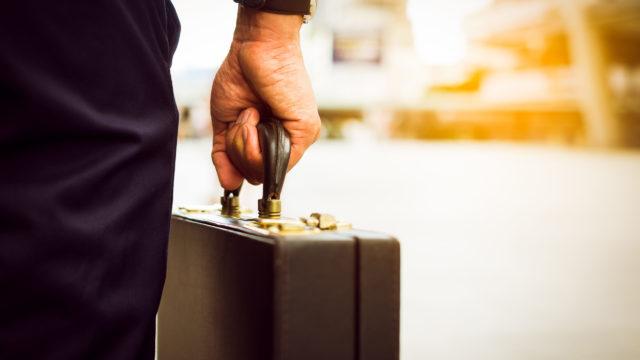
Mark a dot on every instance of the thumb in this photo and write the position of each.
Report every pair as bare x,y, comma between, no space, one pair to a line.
243,146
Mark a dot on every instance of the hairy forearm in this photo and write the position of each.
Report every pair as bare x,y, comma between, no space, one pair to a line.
253,25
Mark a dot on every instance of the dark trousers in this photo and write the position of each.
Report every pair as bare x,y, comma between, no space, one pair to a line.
87,147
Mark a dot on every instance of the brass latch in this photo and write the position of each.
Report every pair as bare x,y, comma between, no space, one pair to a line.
307,225
325,222
231,203
269,208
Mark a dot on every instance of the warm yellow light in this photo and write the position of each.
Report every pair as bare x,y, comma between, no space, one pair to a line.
438,29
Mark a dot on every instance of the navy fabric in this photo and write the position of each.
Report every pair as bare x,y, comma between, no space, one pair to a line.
88,129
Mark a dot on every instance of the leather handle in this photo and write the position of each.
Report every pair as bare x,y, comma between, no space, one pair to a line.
276,150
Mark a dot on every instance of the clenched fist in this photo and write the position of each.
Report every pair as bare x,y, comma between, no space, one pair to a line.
262,73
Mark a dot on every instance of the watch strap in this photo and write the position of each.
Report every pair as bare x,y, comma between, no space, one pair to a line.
292,7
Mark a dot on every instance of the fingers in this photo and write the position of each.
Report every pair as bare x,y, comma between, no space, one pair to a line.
277,74
255,77
243,146
303,134
253,154
228,175
236,150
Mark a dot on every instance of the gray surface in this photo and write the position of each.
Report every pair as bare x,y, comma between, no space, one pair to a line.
508,252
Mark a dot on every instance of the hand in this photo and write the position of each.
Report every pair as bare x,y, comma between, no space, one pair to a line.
262,72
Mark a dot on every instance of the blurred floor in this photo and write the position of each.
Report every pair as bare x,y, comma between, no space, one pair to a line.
509,252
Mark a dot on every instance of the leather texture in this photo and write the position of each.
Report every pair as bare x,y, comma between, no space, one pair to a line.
379,295
233,294
300,7
315,293
294,7
276,150
215,303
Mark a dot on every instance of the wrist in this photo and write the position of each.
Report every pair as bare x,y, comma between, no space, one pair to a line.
255,25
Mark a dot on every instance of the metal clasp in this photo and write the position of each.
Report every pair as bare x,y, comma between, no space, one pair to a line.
231,203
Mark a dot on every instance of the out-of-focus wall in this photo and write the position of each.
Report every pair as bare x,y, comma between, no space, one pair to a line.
517,70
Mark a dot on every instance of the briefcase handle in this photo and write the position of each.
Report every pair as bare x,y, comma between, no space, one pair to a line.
276,150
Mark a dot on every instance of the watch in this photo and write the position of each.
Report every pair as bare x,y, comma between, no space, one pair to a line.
306,8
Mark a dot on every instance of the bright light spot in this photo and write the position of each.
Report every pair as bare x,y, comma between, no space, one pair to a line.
207,29
438,29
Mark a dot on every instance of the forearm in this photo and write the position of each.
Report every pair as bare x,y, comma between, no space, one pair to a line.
253,25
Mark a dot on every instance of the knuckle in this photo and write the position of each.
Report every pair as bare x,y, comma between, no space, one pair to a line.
314,130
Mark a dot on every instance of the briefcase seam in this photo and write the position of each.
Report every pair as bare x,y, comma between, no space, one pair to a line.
395,300
283,293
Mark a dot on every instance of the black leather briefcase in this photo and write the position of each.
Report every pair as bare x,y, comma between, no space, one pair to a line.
241,286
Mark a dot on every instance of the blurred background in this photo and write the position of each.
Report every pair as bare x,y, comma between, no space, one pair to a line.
498,140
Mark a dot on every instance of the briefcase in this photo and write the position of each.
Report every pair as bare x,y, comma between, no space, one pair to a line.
260,286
